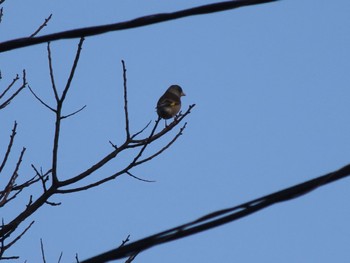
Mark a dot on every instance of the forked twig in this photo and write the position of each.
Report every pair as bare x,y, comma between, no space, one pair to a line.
24,84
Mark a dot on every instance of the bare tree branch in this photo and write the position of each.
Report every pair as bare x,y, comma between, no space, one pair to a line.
126,240
138,22
59,259
220,217
42,250
132,257
126,103
9,147
4,194
24,84
164,148
41,26
113,154
57,185
9,86
53,84
59,112
140,179
142,130
18,237
1,11
41,101
73,113
72,72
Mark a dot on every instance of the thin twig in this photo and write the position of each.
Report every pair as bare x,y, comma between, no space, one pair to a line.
140,179
41,26
53,84
59,259
9,86
12,180
146,143
73,113
41,177
72,72
40,100
9,147
164,148
1,12
132,257
24,84
127,239
18,237
42,250
168,128
127,129
141,131
53,203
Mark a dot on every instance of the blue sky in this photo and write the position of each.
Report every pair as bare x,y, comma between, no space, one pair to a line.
271,87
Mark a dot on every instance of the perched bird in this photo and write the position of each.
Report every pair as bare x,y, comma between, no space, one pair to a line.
170,103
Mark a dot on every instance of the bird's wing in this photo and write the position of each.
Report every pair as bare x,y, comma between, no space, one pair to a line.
167,103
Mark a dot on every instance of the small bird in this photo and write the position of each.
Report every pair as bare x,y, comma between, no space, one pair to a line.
169,103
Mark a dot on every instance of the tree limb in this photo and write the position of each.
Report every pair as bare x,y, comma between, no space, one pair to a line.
138,22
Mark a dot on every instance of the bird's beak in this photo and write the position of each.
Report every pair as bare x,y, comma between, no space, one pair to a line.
183,94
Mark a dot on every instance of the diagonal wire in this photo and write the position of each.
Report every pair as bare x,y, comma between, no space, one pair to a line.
220,217
137,22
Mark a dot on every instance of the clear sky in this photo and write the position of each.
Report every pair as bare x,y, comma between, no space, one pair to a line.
271,85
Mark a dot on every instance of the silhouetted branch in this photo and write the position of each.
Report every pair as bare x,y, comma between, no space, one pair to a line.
41,26
9,147
127,129
72,72
168,128
59,259
138,22
113,154
132,257
52,77
73,113
57,186
140,179
24,84
1,11
40,100
17,238
42,177
220,217
42,250
9,86
59,113
142,130
9,187
164,148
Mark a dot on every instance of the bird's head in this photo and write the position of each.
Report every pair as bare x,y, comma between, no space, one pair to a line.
177,90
